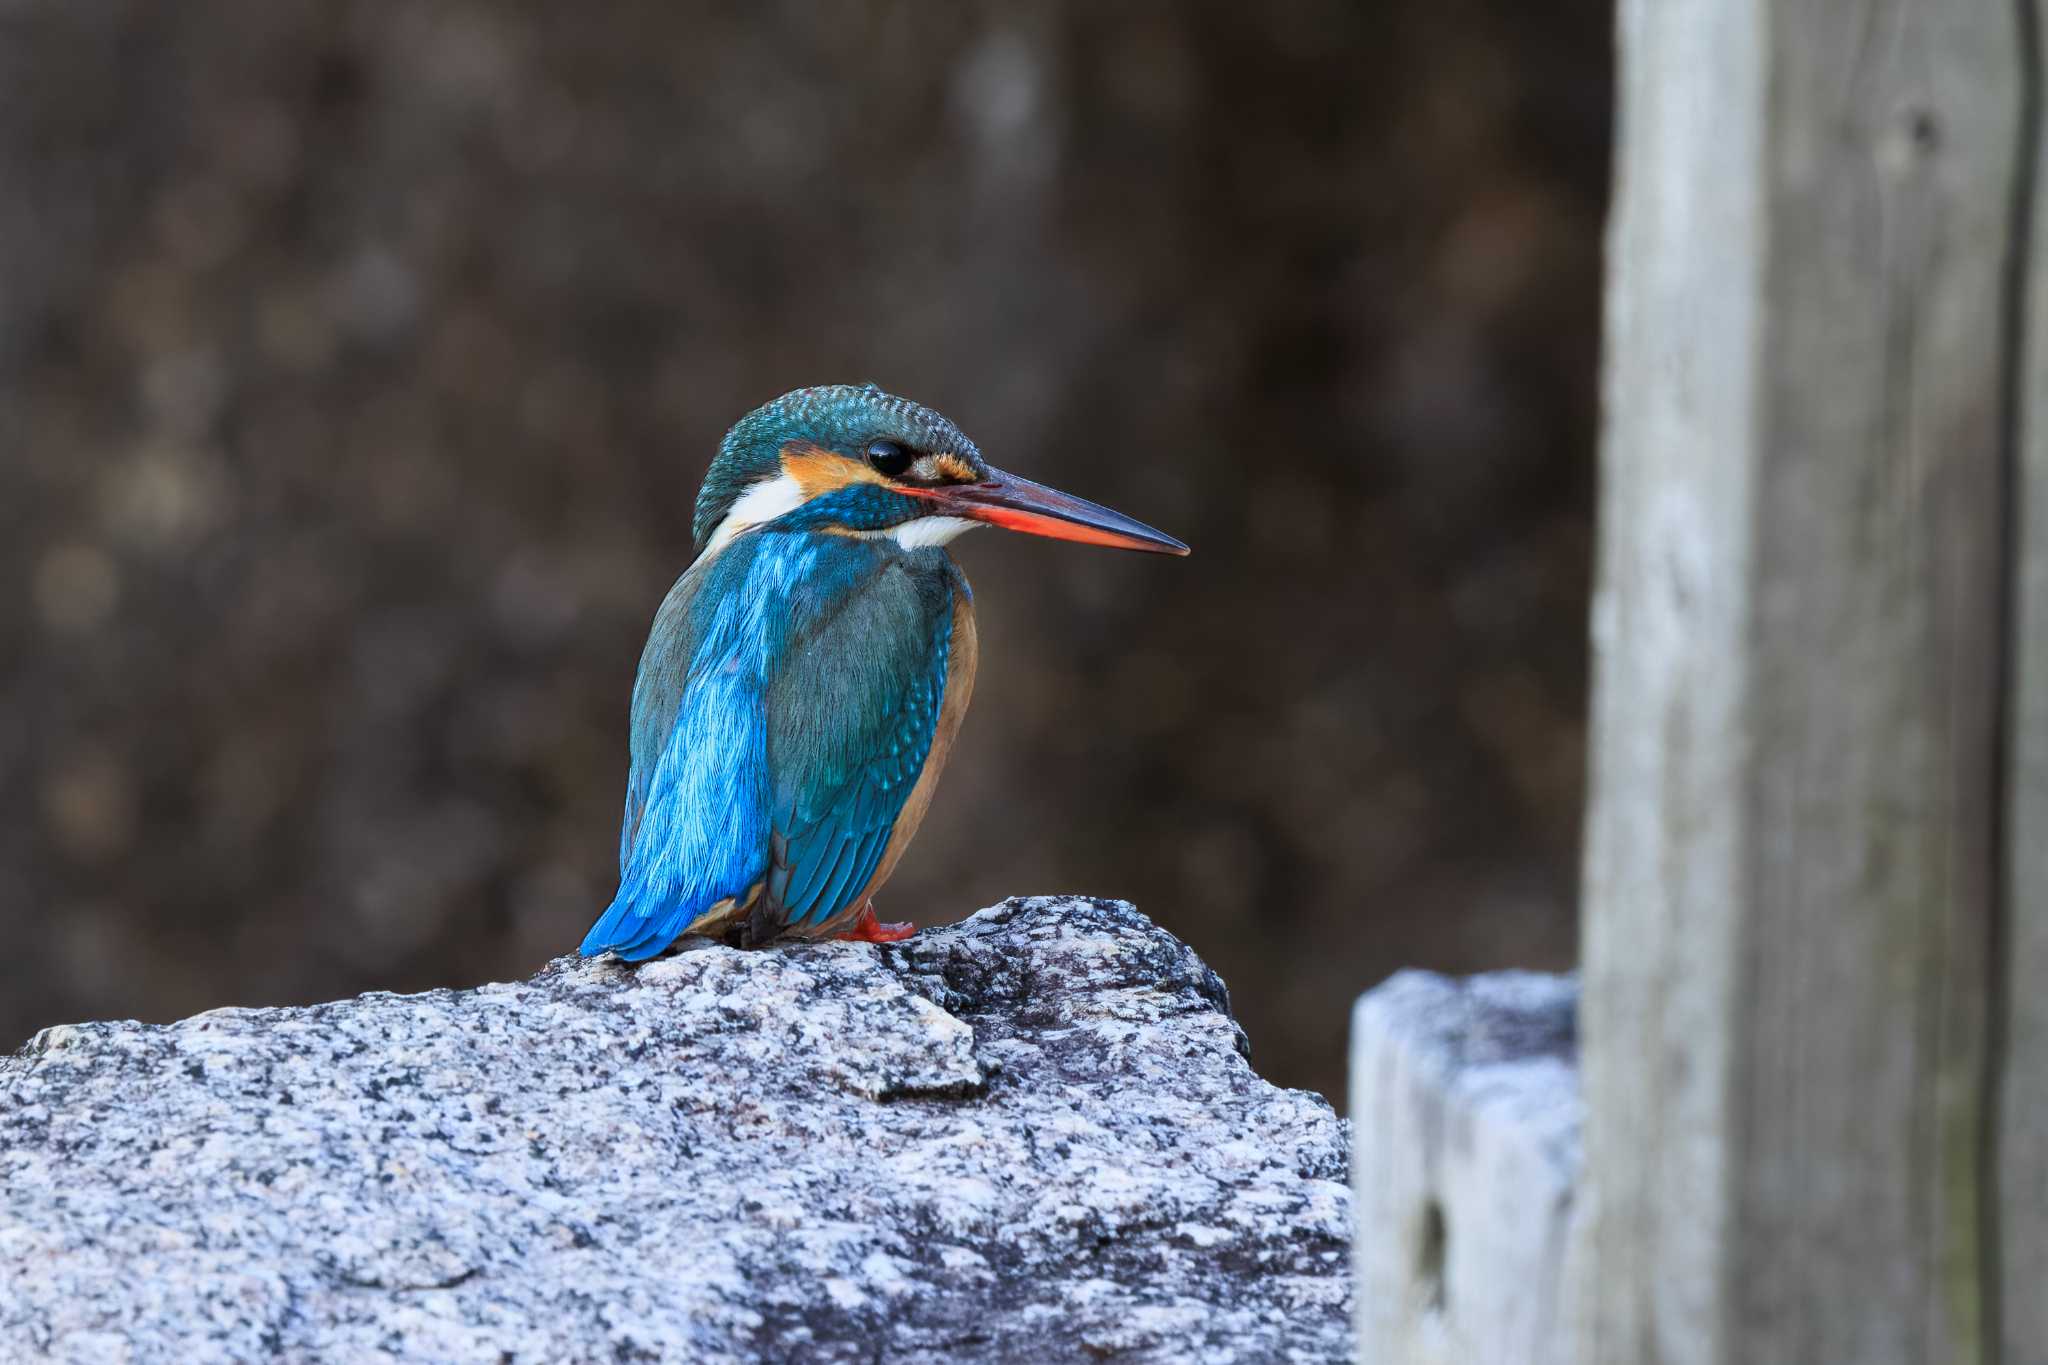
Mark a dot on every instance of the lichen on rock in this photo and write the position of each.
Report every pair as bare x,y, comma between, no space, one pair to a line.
1034,1135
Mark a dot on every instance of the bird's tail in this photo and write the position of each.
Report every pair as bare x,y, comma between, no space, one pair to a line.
633,929
637,926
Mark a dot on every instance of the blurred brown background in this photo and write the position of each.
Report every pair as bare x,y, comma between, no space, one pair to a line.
358,364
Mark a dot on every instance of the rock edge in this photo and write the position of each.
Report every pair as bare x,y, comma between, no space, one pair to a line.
1031,1135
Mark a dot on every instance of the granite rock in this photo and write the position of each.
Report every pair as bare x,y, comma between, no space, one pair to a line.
1034,1135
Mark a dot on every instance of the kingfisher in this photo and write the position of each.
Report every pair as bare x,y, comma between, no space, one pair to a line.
806,676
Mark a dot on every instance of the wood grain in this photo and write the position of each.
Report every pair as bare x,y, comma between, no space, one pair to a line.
2021,1099
1792,871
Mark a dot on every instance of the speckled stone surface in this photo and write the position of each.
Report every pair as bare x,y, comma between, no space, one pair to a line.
1030,1136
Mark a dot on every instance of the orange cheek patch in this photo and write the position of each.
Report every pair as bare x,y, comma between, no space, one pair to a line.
956,469
818,471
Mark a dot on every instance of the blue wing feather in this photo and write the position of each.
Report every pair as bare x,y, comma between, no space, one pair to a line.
696,825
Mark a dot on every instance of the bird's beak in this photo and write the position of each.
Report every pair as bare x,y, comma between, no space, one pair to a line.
1020,505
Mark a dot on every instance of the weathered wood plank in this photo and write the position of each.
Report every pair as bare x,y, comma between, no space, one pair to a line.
2022,1099
1465,1146
1791,876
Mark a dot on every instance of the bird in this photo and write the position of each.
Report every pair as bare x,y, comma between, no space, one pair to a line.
805,677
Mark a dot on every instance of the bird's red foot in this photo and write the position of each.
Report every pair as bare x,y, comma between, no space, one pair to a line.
867,929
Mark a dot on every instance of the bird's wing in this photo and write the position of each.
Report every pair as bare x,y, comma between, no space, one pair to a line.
658,690
850,717
695,833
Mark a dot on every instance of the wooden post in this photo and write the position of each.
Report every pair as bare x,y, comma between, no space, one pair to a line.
1465,1149
1814,1125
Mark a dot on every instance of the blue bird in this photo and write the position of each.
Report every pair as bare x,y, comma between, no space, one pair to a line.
805,677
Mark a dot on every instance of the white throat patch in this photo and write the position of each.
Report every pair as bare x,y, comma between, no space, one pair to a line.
765,501
923,531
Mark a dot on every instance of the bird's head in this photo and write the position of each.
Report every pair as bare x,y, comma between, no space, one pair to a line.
851,459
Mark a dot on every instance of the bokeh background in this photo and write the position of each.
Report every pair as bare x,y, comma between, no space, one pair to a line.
358,364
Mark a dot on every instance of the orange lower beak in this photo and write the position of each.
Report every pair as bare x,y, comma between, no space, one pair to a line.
1020,505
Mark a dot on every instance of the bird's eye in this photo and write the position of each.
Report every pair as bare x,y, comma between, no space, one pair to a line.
891,459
